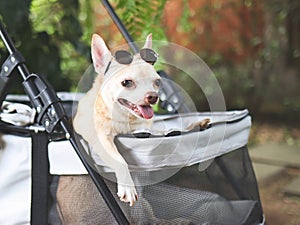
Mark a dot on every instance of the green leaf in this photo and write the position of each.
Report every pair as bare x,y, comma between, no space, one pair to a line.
142,17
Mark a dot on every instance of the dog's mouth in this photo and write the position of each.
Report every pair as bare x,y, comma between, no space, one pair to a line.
145,111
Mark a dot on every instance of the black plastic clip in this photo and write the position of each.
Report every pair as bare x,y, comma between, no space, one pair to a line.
13,60
44,99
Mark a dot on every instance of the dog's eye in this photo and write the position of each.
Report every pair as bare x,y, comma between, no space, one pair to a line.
157,82
127,83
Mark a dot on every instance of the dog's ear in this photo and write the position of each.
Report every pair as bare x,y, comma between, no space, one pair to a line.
100,52
148,43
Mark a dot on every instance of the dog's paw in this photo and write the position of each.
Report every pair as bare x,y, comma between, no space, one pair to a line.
204,123
127,194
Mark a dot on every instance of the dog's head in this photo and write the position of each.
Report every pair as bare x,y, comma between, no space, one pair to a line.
130,82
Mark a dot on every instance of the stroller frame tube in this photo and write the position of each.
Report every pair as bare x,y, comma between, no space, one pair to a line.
120,26
42,94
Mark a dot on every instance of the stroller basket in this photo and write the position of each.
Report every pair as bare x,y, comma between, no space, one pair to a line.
179,180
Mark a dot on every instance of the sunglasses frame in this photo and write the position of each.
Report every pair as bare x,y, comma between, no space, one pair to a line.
147,54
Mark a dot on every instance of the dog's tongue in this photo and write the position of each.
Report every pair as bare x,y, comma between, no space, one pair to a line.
146,110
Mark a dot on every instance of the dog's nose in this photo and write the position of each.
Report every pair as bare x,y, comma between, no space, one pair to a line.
151,98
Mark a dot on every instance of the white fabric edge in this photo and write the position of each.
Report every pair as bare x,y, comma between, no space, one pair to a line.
213,142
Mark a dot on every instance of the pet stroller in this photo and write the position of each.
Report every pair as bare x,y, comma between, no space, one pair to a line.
217,184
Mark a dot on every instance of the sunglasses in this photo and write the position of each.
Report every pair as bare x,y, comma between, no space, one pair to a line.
125,57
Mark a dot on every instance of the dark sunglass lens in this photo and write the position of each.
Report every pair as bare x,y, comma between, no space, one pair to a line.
148,55
123,57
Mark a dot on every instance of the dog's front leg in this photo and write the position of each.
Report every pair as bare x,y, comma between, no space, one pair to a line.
106,149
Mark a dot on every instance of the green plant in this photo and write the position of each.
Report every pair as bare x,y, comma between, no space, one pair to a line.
142,17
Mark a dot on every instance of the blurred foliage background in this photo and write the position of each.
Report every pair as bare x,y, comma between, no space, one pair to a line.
252,46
